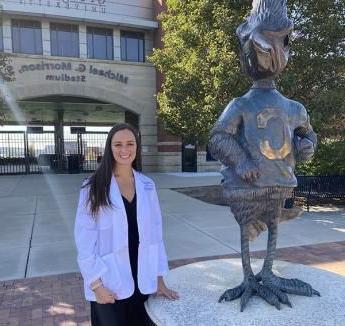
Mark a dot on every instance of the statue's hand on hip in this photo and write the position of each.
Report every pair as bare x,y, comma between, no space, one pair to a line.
248,171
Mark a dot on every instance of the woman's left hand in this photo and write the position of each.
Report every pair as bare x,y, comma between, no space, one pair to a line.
162,290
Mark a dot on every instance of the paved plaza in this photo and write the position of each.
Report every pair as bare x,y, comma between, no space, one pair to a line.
39,279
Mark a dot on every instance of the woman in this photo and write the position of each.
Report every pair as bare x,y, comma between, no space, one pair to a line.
118,233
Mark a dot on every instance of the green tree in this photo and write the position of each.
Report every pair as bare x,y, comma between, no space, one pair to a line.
6,72
329,159
200,64
315,75
6,75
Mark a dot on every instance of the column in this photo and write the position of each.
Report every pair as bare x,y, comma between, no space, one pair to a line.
117,44
59,135
148,129
7,35
148,43
46,37
82,41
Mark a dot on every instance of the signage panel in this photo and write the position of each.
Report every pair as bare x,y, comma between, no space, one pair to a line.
130,13
68,71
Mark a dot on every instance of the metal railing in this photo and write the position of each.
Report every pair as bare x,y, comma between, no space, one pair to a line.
27,153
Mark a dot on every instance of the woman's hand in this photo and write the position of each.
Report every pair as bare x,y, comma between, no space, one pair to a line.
103,295
162,290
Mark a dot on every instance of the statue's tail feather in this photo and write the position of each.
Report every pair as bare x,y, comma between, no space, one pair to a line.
255,228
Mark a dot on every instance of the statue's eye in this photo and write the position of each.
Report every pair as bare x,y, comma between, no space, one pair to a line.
286,41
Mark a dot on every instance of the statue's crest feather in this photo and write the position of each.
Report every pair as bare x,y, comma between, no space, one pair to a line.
265,15
272,7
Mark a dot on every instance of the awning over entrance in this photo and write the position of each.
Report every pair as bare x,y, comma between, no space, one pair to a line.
72,110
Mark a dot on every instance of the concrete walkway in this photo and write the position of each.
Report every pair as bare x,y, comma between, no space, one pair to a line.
37,217
39,279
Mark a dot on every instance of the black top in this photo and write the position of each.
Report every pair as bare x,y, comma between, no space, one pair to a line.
133,243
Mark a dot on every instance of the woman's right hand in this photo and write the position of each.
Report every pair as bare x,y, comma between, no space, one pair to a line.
104,295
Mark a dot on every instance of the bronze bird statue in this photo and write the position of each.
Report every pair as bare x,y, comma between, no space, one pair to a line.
258,138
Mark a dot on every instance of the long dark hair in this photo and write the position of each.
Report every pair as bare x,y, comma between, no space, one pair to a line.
100,180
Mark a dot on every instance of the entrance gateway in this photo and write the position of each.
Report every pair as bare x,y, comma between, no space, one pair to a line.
46,92
65,135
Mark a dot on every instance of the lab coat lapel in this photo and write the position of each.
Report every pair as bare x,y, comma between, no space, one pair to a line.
139,189
115,196
142,209
120,238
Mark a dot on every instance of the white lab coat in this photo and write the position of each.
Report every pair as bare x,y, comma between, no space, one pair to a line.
102,244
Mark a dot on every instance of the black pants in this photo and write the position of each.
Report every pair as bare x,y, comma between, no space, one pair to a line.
126,312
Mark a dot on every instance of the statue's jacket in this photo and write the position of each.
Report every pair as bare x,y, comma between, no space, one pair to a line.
265,125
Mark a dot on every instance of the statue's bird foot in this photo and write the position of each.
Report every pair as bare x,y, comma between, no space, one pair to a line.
292,286
252,286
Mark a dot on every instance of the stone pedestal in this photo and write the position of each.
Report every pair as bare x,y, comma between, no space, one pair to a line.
201,284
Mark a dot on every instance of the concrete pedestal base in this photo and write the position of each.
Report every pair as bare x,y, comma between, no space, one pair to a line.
201,284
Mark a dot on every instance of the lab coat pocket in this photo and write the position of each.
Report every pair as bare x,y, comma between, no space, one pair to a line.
148,268
111,279
105,241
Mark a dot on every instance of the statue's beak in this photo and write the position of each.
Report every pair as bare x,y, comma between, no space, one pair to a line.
271,50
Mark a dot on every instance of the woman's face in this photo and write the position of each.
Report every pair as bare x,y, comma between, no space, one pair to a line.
124,147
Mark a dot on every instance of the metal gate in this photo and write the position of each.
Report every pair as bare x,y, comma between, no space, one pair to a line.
13,153
85,149
41,152
31,152
24,152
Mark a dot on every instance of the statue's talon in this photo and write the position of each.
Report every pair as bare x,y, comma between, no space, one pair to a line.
232,294
268,294
248,292
292,286
250,287
282,296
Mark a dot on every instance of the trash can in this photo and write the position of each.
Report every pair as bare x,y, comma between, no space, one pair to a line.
73,165
289,202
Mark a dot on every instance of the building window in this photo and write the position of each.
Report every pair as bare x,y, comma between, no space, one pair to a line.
132,46
99,43
64,40
1,38
26,36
